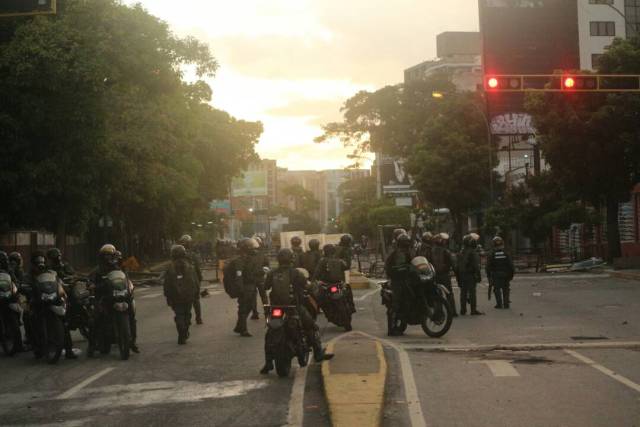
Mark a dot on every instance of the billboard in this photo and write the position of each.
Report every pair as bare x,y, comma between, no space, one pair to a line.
27,7
252,184
221,206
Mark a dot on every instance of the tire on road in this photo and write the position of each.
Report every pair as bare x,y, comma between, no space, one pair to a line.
436,328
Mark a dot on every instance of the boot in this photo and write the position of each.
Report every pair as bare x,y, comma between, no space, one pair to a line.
268,367
497,292
319,354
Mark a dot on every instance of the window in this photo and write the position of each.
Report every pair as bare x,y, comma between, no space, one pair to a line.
603,28
595,60
632,13
600,1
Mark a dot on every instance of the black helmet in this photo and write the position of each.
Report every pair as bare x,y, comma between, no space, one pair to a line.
4,260
178,251
38,261
346,240
15,258
314,244
329,250
248,245
398,232
404,241
427,237
185,240
296,241
54,255
285,256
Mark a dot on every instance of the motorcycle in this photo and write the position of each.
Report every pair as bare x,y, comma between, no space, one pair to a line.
116,302
334,304
10,310
50,309
431,311
286,338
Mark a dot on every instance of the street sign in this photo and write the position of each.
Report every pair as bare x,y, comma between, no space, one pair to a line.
10,8
568,82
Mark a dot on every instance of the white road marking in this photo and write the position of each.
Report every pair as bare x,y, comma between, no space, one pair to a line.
624,380
74,390
151,296
296,402
561,276
416,416
367,295
158,393
499,368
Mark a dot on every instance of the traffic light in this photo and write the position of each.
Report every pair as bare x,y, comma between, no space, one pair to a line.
10,8
580,83
562,83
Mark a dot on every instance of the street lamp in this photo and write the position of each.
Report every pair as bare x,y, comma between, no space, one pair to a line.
440,95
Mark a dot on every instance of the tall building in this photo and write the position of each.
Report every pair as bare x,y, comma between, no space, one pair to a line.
458,55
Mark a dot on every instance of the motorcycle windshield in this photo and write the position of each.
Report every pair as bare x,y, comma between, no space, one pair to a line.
5,283
47,283
118,280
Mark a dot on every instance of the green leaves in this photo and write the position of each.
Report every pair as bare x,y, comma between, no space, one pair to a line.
98,120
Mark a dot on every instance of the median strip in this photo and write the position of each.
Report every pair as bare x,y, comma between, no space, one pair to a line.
354,380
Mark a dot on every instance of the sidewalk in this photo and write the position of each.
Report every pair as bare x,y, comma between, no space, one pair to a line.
625,274
354,381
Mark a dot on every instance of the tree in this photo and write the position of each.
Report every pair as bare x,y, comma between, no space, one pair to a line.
444,139
304,201
592,141
99,120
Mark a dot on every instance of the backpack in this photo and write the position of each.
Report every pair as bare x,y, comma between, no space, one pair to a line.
281,288
335,270
232,286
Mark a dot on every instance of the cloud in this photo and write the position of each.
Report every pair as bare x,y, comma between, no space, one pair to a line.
292,63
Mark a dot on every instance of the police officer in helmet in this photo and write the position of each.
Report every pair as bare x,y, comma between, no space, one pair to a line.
187,241
65,272
469,274
180,290
500,271
398,269
287,285
248,272
298,251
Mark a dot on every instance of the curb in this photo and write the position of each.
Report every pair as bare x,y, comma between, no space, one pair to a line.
624,275
354,389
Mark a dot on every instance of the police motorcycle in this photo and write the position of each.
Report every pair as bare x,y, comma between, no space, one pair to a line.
49,307
335,304
115,328
10,311
424,303
286,338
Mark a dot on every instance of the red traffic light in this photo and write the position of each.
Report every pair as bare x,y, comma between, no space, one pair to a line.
568,83
492,83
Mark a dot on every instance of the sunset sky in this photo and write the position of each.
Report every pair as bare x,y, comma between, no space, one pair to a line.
292,63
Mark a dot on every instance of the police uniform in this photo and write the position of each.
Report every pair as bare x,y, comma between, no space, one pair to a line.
500,272
249,274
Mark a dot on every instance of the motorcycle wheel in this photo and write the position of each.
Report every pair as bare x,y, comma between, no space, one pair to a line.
54,339
303,358
283,366
439,324
346,313
11,336
123,333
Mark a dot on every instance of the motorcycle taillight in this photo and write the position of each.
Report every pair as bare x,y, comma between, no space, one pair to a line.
276,312
334,289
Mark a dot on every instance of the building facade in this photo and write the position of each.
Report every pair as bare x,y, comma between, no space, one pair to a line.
458,55
599,22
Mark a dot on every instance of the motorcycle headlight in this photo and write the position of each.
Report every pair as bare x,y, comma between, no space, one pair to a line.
122,293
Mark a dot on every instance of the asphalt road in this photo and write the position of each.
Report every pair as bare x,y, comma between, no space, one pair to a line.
540,379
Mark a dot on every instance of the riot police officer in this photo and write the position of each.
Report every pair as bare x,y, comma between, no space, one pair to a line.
65,273
469,274
16,266
180,290
187,241
298,251
286,282
500,271
312,258
442,261
426,246
248,272
264,261
398,269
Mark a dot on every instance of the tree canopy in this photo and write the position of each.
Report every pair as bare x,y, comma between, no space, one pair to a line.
106,112
592,141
